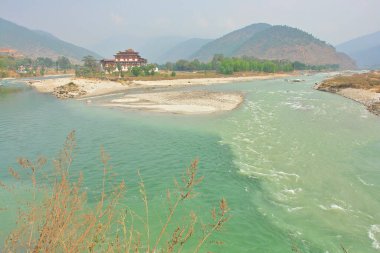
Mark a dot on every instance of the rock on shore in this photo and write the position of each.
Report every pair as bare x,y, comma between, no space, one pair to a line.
70,90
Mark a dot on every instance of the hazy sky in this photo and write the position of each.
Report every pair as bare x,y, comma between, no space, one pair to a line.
85,22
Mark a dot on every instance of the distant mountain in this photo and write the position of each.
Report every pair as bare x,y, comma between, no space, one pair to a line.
265,41
183,50
39,43
154,47
229,43
364,50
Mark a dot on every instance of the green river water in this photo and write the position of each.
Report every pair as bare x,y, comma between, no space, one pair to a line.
297,166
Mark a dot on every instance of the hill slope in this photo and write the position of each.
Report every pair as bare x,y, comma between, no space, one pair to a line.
275,43
229,43
364,50
183,50
283,42
38,43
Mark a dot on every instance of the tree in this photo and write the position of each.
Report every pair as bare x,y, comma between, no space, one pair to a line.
136,71
63,63
90,63
48,62
42,70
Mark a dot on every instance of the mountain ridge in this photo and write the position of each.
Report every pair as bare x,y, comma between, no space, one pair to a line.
229,42
37,43
365,50
275,42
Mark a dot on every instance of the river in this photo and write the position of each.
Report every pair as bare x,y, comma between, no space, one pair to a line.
297,166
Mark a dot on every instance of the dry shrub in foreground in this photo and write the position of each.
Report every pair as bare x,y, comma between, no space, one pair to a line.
59,219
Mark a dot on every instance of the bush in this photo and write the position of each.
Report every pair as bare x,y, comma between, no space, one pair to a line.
63,222
3,74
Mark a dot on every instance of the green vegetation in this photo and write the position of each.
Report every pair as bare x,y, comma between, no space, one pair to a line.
60,219
63,63
228,66
20,66
90,68
148,70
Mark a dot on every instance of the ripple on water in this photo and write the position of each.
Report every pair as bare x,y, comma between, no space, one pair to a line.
364,182
374,235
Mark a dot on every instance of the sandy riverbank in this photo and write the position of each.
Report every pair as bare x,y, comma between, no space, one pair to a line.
185,102
363,88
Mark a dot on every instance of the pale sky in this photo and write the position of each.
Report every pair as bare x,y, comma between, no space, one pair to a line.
85,22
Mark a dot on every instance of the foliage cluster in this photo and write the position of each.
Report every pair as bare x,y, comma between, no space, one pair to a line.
228,66
90,68
148,70
32,67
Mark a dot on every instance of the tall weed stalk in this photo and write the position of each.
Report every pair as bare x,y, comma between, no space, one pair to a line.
59,217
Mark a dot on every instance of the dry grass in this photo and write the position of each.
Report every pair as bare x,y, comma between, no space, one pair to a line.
367,81
63,221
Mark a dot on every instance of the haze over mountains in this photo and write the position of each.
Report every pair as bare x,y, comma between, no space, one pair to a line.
365,50
183,50
261,40
33,43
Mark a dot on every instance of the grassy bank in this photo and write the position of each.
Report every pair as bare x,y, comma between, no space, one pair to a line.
366,81
363,88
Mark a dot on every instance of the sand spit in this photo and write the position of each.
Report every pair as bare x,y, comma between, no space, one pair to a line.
194,102
188,102
208,81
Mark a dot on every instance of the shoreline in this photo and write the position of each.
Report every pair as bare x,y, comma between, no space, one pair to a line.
99,87
149,99
362,88
370,99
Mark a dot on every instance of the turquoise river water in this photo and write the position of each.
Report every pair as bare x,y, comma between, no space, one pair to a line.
297,166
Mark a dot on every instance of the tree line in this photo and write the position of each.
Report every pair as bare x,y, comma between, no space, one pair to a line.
30,66
228,65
